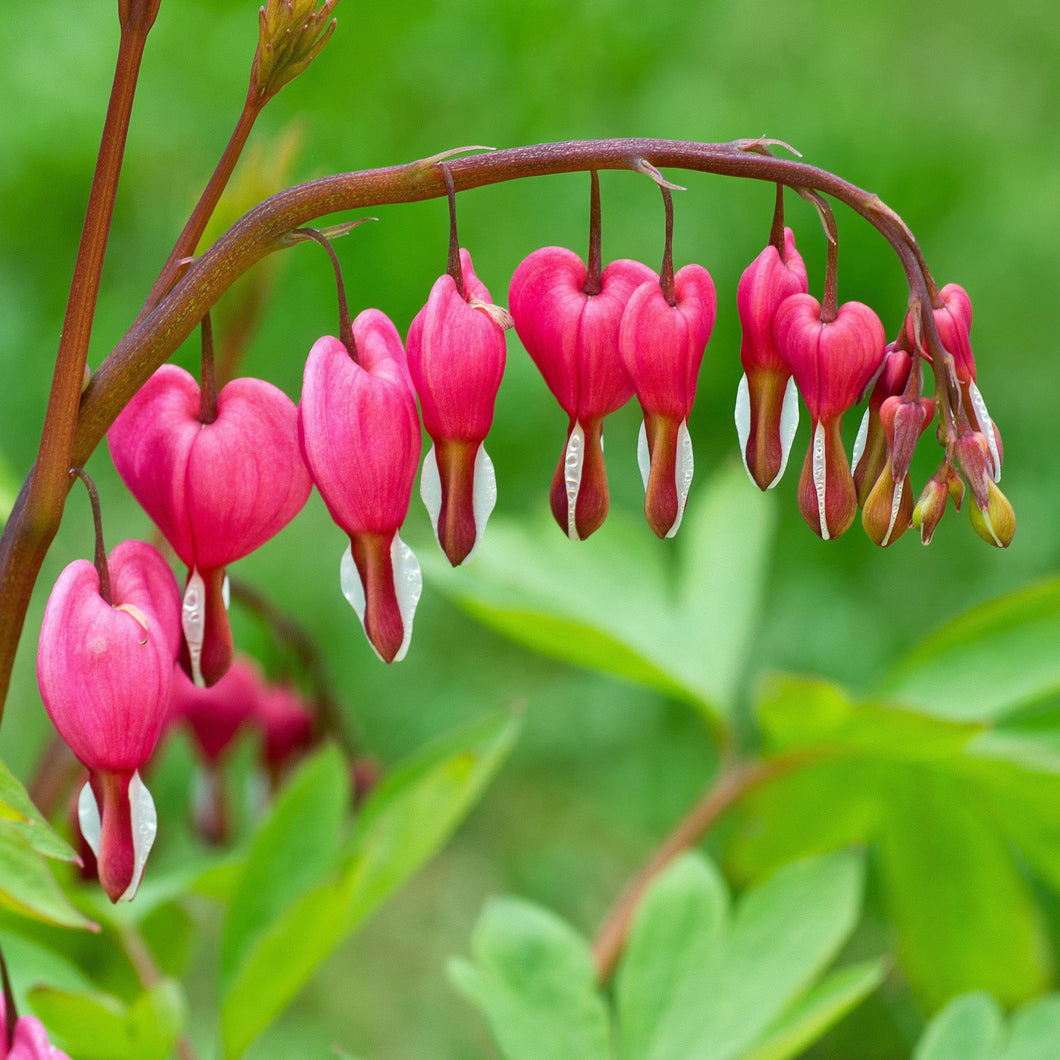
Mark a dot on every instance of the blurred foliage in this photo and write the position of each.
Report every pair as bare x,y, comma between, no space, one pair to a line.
944,109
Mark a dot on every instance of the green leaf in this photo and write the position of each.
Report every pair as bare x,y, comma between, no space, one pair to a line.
27,885
96,1026
38,965
18,814
404,822
676,930
1035,1030
293,851
968,1028
727,992
573,603
818,1010
965,914
989,661
533,979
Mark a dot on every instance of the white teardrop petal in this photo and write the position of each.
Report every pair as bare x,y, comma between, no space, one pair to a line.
573,461
859,442
789,424
226,592
896,503
483,495
743,421
684,465
986,425
193,623
431,490
408,586
144,830
88,818
643,456
350,583
820,476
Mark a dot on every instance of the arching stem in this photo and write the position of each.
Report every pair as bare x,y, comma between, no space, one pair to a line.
453,266
102,568
345,324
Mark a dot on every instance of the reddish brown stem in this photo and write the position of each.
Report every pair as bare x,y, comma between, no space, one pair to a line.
593,283
33,521
666,273
776,231
102,567
207,375
453,265
731,785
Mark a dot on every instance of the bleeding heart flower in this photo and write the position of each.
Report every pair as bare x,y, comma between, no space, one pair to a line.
456,361
360,437
767,403
832,362
287,727
29,1039
105,670
572,336
216,490
662,347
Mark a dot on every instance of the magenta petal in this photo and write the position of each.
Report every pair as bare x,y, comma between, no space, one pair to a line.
214,715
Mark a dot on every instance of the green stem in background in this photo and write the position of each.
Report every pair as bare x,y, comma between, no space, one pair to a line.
733,782
32,524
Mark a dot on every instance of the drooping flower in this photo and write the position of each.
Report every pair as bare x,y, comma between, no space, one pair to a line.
287,727
105,670
767,403
29,1039
360,436
832,362
571,334
217,490
662,347
456,361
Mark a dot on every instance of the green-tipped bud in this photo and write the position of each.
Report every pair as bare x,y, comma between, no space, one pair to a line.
996,524
291,34
888,508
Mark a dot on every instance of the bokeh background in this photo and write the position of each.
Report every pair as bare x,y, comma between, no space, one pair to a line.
948,110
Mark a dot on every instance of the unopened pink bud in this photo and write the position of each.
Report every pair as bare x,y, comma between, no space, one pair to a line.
216,490
360,435
972,454
931,507
456,360
767,405
105,672
870,447
662,347
572,337
903,423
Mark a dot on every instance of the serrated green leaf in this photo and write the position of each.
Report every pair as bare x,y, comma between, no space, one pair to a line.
970,1027
989,661
294,850
97,1026
404,822
965,915
27,885
818,1010
533,979
18,813
676,930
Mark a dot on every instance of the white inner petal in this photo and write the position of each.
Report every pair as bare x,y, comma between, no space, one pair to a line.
643,456
408,585
573,461
431,490
986,425
226,592
859,442
684,465
144,830
789,424
88,818
350,583
193,623
820,475
896,503
483,495
743,420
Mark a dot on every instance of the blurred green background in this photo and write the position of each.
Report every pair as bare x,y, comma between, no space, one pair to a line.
947,110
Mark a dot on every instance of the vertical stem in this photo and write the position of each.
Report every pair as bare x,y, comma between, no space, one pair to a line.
666,273
102,569
208,375
11,1012
345,325
453,266
593,284
830,301
776,232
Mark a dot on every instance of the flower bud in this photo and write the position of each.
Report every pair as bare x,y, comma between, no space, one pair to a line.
662,347
931,506
456,360
767,403
572,337
26,1040
832,362
996,522
105,670
216,490
360,436
870,446
888,509
972,453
